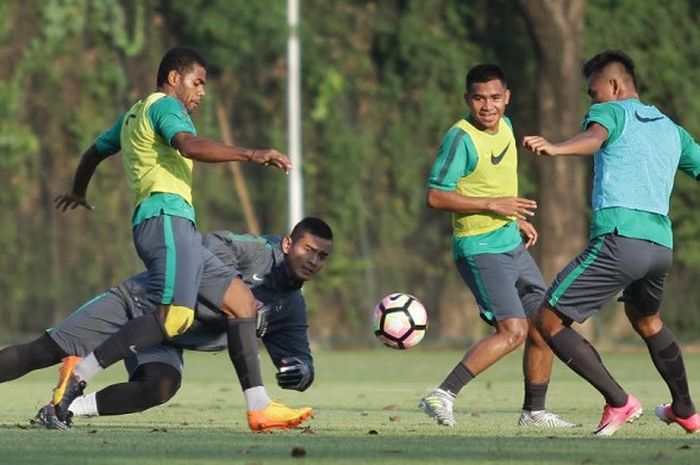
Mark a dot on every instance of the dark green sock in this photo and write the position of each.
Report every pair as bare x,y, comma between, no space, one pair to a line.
243,351
135,336
668,360
457,379
534,396
579,355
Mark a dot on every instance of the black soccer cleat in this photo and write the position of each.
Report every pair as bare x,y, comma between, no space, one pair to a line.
68,388
46,416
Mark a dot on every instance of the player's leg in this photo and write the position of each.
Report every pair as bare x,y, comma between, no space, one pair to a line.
492,279
591,279
76,335
86,328
220,284
18,360
537,356
155,376
642,307
580,355
172,251
667,357
537,368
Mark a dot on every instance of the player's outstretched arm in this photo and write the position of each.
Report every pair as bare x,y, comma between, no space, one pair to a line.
457,203
287,344
209,151
584,143
86,168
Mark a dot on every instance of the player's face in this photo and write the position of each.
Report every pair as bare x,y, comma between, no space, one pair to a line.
306,256
189,86
487,102
601,89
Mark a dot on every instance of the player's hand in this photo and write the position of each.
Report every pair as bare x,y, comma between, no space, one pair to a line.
70,199
529,233
261,320
513,206
271,157
294,374
539,145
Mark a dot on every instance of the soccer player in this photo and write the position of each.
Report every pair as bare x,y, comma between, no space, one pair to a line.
274,268
474,176
637,151
158,142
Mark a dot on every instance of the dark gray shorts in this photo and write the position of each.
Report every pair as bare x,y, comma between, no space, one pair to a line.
103,316
609,264
505,285
172,251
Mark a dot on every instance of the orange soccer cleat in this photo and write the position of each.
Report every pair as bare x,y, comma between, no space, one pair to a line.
277,416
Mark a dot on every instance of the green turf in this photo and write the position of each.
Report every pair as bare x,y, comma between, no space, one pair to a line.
366,412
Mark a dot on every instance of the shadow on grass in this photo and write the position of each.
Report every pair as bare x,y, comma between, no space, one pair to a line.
116,443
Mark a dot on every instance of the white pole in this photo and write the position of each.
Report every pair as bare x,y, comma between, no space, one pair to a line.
296,194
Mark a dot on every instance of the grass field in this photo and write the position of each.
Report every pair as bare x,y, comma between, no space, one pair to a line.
365,404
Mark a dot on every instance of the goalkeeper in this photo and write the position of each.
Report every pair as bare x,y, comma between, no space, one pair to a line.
275,268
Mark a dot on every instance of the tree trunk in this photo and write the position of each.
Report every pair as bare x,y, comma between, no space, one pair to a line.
556,27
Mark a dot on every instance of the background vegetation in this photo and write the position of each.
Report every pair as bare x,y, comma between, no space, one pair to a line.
382,81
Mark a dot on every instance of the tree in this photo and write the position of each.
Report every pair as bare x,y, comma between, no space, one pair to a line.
557,32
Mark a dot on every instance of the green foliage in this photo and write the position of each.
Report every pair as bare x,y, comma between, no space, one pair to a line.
382,82
381,96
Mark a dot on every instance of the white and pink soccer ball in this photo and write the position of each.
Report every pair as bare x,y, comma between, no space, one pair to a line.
399,320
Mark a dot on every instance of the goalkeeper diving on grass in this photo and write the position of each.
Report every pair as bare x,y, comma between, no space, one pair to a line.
274,268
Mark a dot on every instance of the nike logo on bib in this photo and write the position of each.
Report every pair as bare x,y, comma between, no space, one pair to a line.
256,277
497,159
642,119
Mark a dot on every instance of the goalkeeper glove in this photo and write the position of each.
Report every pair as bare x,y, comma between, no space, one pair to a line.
294,374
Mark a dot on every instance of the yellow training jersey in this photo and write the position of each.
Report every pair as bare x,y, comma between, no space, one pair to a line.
151,164
495,175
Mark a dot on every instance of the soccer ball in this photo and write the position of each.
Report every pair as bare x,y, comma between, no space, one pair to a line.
399,321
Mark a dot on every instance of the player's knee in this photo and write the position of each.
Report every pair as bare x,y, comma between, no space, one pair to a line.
163,390
517,338
515,332
177,320
158,382
239,301
549,322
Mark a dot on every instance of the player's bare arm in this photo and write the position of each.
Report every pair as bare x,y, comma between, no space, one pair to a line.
584,143
86,168
457,203
209,151
529,233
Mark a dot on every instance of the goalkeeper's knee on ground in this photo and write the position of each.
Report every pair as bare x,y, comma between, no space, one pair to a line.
177,320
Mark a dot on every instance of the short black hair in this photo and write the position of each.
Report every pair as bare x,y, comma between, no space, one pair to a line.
314,226
603,59
178,59
484,73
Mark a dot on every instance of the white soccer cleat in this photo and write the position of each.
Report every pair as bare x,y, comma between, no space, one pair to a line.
543,419
438,404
